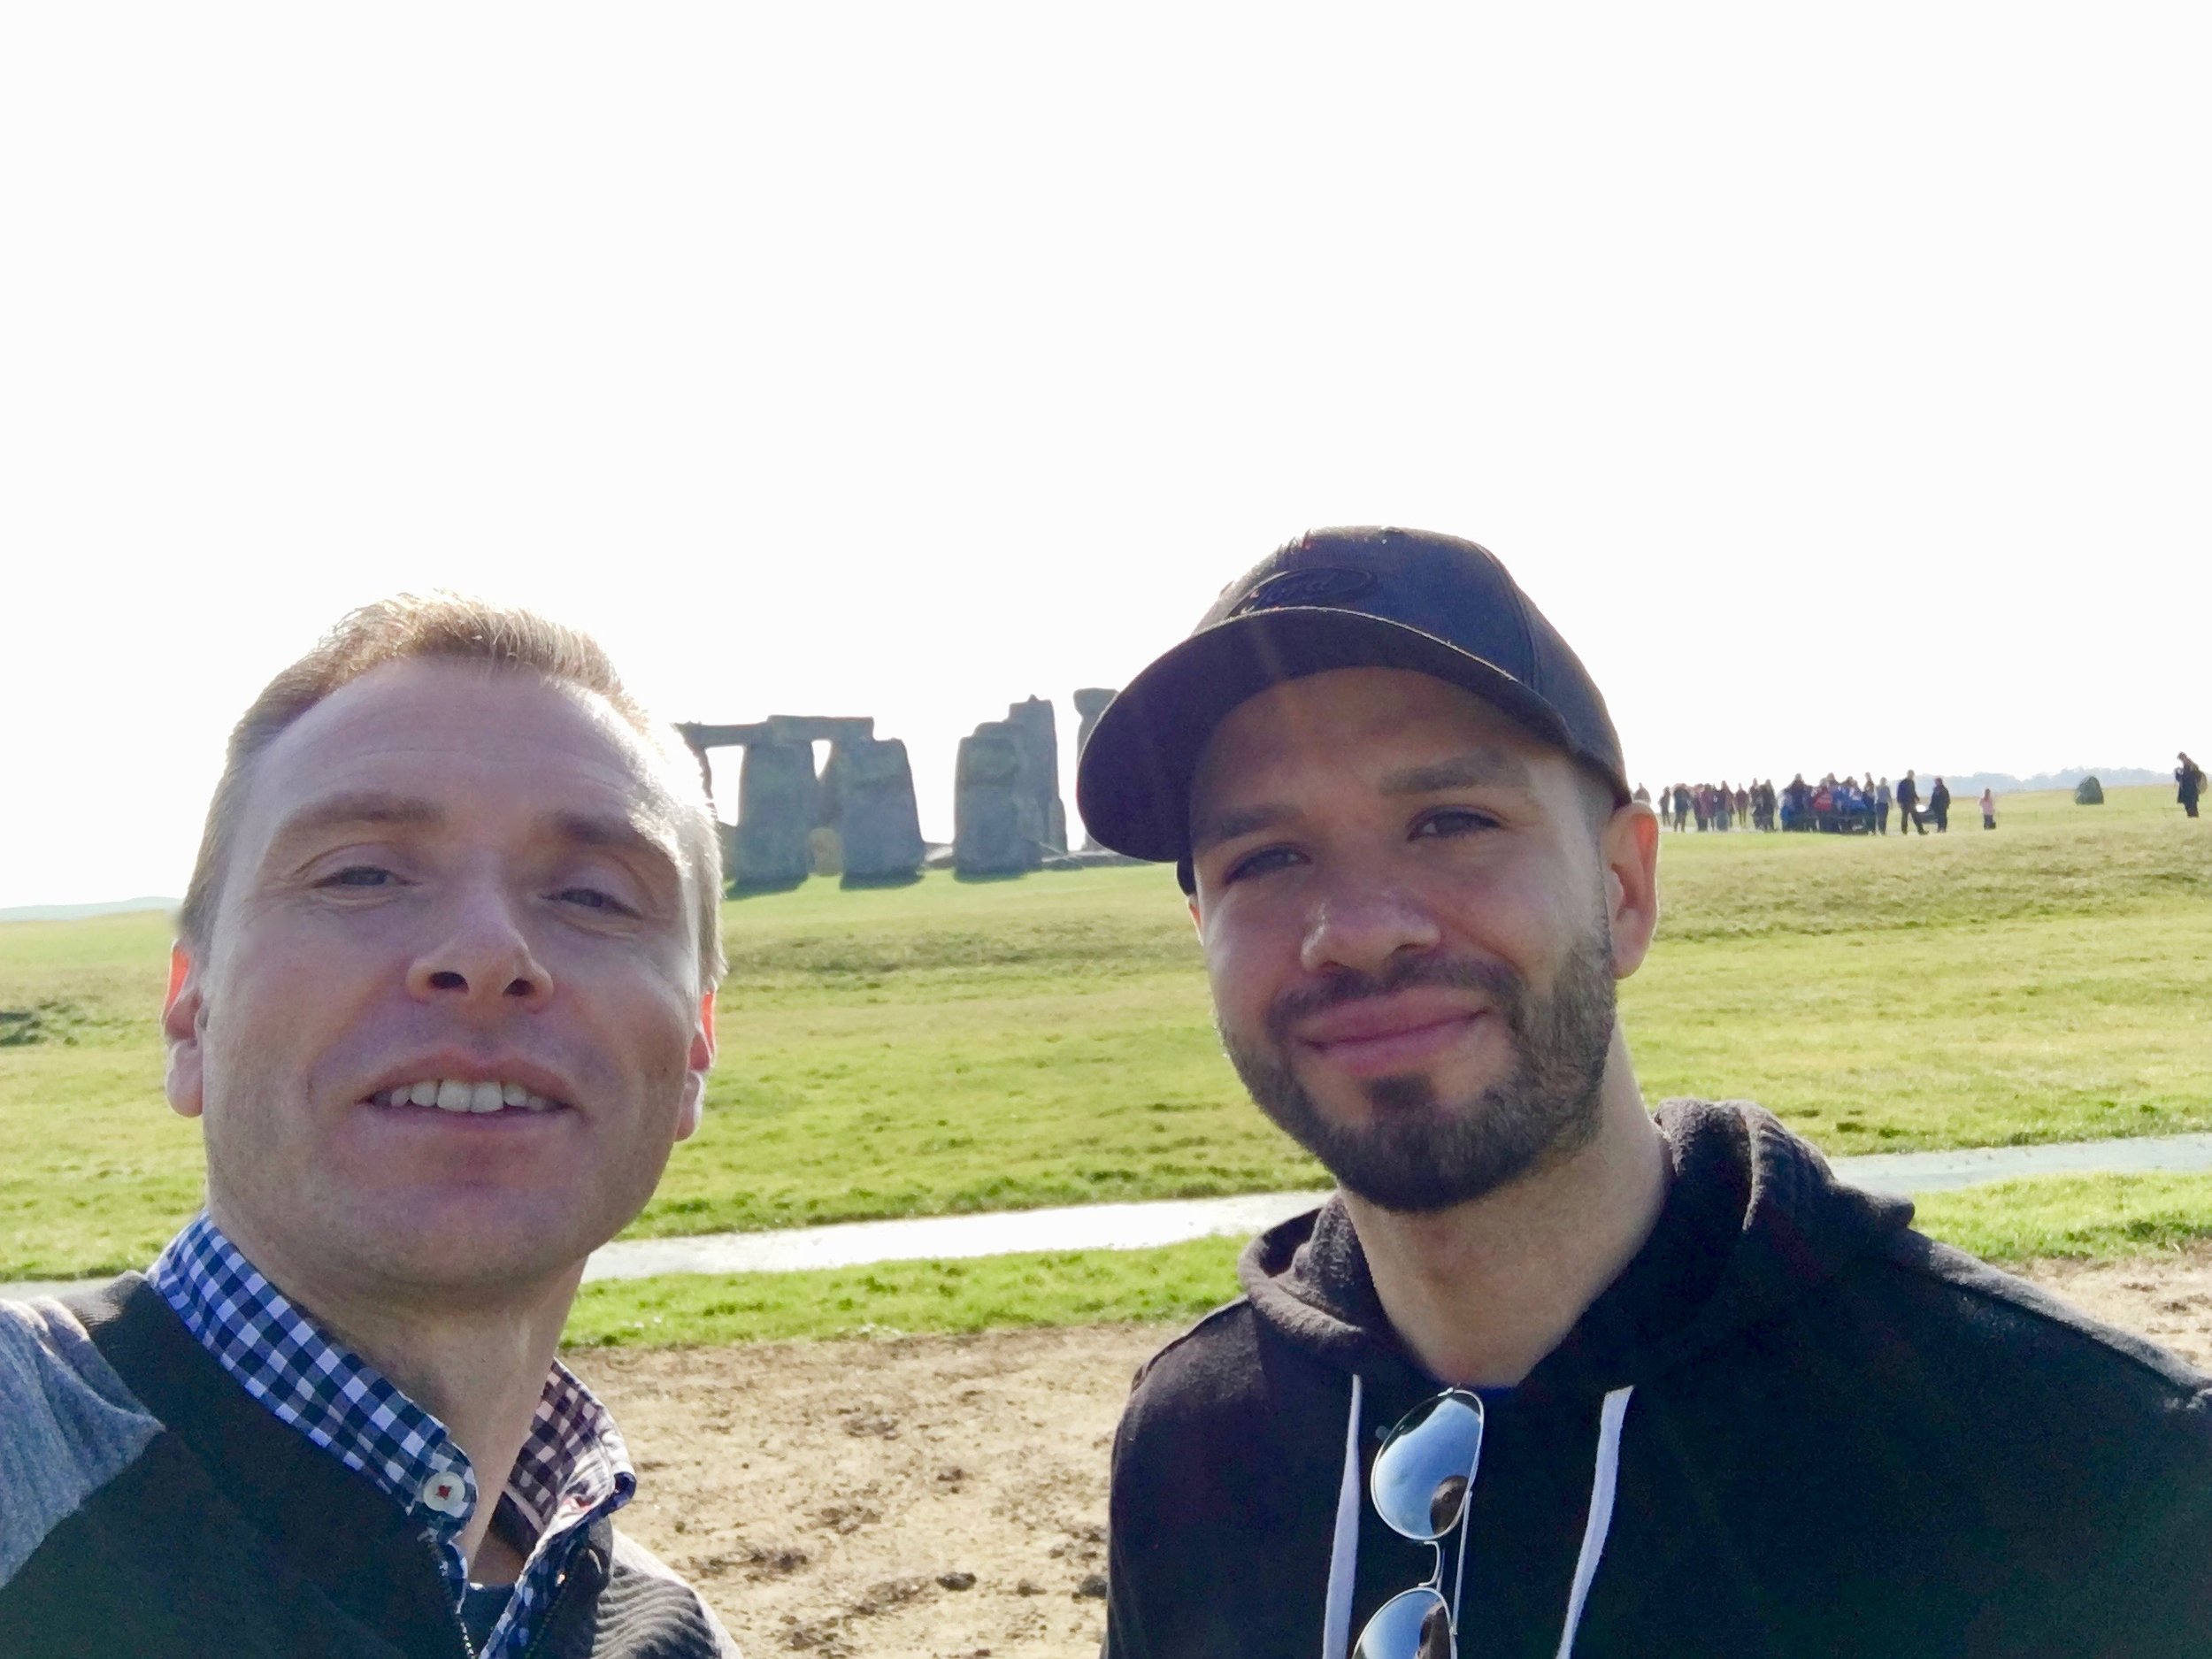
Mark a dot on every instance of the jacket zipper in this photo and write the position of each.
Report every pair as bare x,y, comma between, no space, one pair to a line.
560,1593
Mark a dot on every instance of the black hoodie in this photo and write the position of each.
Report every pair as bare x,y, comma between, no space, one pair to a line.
1820,1433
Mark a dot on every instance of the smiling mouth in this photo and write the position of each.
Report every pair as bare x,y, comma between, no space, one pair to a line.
1384,1046
464,1098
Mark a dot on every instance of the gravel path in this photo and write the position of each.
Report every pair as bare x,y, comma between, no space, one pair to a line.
945,1495
1172,1221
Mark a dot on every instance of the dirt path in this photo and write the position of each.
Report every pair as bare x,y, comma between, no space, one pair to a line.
945,1496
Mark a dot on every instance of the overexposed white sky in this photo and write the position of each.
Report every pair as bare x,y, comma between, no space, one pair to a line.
1839,380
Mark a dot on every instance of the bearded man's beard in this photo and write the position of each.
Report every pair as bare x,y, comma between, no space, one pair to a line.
1420,1153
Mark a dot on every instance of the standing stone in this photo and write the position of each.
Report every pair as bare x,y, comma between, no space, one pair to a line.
1090,702
995,815
2089,792
879,823
1032,723
775,809
829,791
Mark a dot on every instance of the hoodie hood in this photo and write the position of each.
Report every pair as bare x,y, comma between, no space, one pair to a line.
1754,1220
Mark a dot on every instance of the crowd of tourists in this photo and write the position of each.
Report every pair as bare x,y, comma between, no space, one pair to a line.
1842,805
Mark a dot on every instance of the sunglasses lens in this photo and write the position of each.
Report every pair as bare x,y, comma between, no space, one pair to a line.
1425,1468
1415,1625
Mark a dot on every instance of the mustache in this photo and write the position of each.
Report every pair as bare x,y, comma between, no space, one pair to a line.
1500,984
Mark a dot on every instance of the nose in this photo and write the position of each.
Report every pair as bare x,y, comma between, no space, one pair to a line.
1361,927
483,957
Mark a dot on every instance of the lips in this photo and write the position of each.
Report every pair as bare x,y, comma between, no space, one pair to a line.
1388,1033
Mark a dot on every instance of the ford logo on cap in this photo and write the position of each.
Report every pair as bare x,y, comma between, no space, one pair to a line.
1316,585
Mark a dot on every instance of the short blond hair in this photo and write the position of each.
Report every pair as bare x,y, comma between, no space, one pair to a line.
451,626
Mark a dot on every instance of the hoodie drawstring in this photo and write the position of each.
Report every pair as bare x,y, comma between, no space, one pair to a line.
1600,1519
1336,1620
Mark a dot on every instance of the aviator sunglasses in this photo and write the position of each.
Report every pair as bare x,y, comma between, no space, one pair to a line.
1419,1484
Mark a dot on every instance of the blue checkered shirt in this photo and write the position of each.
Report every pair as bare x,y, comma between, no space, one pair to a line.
573,1469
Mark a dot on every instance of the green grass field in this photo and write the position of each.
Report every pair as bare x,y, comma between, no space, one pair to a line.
947,1048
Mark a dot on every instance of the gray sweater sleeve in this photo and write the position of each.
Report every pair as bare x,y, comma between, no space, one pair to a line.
68,1424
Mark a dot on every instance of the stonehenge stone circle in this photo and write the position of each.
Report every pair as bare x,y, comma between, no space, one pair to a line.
782,804
858,819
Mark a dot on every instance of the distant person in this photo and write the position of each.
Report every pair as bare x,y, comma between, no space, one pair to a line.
1989,808
1797,802
1548,1374
1724,804
1907,804
443,1000
1681,808
2190,777
1643,795
1881,807
1743,805
1939,806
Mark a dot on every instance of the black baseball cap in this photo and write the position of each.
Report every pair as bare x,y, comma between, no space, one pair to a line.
1366,597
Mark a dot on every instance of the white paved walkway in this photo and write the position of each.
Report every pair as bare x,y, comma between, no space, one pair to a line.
1173,1221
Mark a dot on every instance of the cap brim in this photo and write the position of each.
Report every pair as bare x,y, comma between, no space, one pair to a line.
1132,780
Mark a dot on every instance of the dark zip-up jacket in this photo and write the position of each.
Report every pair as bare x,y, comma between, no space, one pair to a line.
1834,1437
149,1508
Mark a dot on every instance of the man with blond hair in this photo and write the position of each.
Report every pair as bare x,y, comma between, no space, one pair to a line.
443,1000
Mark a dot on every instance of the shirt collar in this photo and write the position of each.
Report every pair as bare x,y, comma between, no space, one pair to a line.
573,1468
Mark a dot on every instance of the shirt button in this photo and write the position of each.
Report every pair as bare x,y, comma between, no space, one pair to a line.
445,1494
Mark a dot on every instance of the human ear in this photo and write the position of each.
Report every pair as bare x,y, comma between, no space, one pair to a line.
183,1008
692,1107
1629,845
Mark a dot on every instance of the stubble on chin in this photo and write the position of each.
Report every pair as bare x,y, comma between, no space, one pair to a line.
1419,1152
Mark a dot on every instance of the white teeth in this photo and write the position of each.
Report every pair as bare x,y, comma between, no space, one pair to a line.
459,1094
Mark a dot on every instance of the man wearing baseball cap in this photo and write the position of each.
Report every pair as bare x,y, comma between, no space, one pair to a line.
1549,1373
